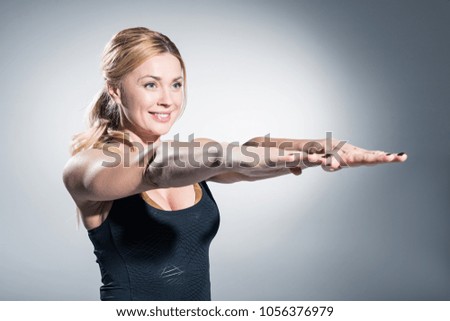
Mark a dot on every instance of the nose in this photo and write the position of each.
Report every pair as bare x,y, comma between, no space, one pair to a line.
165,98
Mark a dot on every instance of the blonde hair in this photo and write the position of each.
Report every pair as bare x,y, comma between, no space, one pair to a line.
126,50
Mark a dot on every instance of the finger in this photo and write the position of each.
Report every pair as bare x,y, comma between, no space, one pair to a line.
399,157
314,160
330,163
331,168
375,158
293,159
389,157
296,171
369,159
365,158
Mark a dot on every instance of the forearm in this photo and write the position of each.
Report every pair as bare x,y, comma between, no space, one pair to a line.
305,145
179,164
233,177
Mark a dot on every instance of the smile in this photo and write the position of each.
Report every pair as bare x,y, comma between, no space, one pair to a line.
161,117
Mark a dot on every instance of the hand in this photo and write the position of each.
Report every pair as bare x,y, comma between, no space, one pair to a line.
341,154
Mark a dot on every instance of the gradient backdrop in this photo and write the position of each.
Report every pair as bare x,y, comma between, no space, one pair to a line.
376,73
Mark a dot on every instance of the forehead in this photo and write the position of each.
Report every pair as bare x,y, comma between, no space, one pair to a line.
163,66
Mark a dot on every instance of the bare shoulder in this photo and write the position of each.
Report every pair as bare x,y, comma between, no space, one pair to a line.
79,164
108,173
80,167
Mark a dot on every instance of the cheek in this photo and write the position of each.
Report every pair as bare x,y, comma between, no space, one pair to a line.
179,99
140,103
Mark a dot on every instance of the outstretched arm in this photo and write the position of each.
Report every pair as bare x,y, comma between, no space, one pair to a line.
101,175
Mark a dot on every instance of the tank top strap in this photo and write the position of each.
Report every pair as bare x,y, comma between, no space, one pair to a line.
208,191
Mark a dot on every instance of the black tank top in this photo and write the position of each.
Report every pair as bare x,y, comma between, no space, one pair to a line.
145,253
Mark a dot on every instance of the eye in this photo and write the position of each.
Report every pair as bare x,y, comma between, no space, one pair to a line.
177,85
150,85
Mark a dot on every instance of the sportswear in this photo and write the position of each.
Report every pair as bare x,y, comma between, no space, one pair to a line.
146,253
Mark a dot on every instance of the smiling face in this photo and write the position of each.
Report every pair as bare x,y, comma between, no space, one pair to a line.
151,97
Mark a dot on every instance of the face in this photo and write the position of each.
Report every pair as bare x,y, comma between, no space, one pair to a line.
151,96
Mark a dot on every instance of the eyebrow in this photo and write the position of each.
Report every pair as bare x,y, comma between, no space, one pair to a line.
158,78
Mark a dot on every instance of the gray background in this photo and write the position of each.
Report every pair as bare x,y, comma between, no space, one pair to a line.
375,73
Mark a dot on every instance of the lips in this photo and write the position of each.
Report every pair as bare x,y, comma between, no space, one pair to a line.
160,117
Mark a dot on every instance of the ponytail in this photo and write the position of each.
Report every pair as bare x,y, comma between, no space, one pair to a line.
104,121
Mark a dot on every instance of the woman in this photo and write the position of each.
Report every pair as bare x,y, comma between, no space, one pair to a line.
145,203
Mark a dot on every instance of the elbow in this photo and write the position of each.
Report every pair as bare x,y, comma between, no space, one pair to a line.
161,172
153,174
154,169
153,177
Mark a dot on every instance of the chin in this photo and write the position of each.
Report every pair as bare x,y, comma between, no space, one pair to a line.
159,130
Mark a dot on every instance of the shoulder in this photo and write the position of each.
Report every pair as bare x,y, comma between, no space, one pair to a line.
82,160
100,153
77,173
85,163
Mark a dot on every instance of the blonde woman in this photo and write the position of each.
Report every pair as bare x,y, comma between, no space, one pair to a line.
145,202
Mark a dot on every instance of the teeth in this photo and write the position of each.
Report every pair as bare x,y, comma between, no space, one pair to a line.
160,115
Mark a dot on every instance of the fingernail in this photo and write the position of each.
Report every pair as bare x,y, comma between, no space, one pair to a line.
401,154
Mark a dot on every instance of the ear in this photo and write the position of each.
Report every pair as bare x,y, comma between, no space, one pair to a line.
114,92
